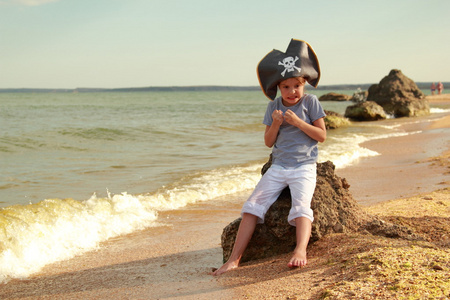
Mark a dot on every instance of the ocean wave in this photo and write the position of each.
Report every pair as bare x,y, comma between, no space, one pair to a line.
344,151
11,144
16,144
435,110
35,235
95,133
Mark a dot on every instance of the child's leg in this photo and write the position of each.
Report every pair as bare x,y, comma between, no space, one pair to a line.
245,232
303,232
265,194
302,186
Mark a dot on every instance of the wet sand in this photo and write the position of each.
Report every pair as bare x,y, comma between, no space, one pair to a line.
174,261
404,168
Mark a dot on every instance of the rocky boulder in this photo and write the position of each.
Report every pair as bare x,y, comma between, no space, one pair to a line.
335,211
334,120
334,97
365,111
334,208
399,96
359,96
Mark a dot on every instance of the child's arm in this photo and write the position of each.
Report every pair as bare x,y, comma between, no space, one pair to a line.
270,136
316,131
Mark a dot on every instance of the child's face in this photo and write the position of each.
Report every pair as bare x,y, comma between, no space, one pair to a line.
291,91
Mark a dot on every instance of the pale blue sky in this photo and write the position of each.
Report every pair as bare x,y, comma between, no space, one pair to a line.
137,43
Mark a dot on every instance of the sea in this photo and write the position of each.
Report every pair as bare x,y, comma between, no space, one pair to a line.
78,169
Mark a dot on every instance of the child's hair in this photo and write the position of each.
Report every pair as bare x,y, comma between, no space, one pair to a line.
300,79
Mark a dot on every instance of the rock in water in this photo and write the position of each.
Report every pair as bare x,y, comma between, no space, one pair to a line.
334,97
399,96
365,111
334,120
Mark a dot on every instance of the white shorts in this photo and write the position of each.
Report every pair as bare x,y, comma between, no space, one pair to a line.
301,182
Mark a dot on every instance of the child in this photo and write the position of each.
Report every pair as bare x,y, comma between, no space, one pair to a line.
294,126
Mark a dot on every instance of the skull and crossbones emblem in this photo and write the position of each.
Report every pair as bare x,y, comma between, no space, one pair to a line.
289,64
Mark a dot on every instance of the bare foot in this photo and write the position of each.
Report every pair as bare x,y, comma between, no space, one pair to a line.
298,259
225,268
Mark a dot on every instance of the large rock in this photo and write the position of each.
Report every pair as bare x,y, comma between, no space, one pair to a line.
335,211
334,208
334,97
365,111
399,96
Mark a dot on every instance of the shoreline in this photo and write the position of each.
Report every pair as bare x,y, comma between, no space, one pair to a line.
438,98
408,160
174,261
405,165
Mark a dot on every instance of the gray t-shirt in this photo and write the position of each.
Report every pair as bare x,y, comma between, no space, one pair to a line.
294,148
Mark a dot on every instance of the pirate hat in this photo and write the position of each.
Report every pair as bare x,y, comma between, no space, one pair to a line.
276,66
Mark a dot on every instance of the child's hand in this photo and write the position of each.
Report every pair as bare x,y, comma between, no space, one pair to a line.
291,117
277,117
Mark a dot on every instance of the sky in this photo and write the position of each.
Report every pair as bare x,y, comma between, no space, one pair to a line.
140,43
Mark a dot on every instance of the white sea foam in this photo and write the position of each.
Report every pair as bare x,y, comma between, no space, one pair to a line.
32,236
346,150
38,234
435,110
204,187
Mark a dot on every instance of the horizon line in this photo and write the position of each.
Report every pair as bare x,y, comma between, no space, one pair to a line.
191,87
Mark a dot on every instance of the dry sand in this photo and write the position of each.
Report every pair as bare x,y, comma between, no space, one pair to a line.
174,261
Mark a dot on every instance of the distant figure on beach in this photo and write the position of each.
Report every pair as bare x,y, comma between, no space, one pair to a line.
433,88
294,126
440,88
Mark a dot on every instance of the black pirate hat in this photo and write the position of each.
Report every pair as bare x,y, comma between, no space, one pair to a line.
276,66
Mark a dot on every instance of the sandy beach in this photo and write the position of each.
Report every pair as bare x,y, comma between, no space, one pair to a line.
174,261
